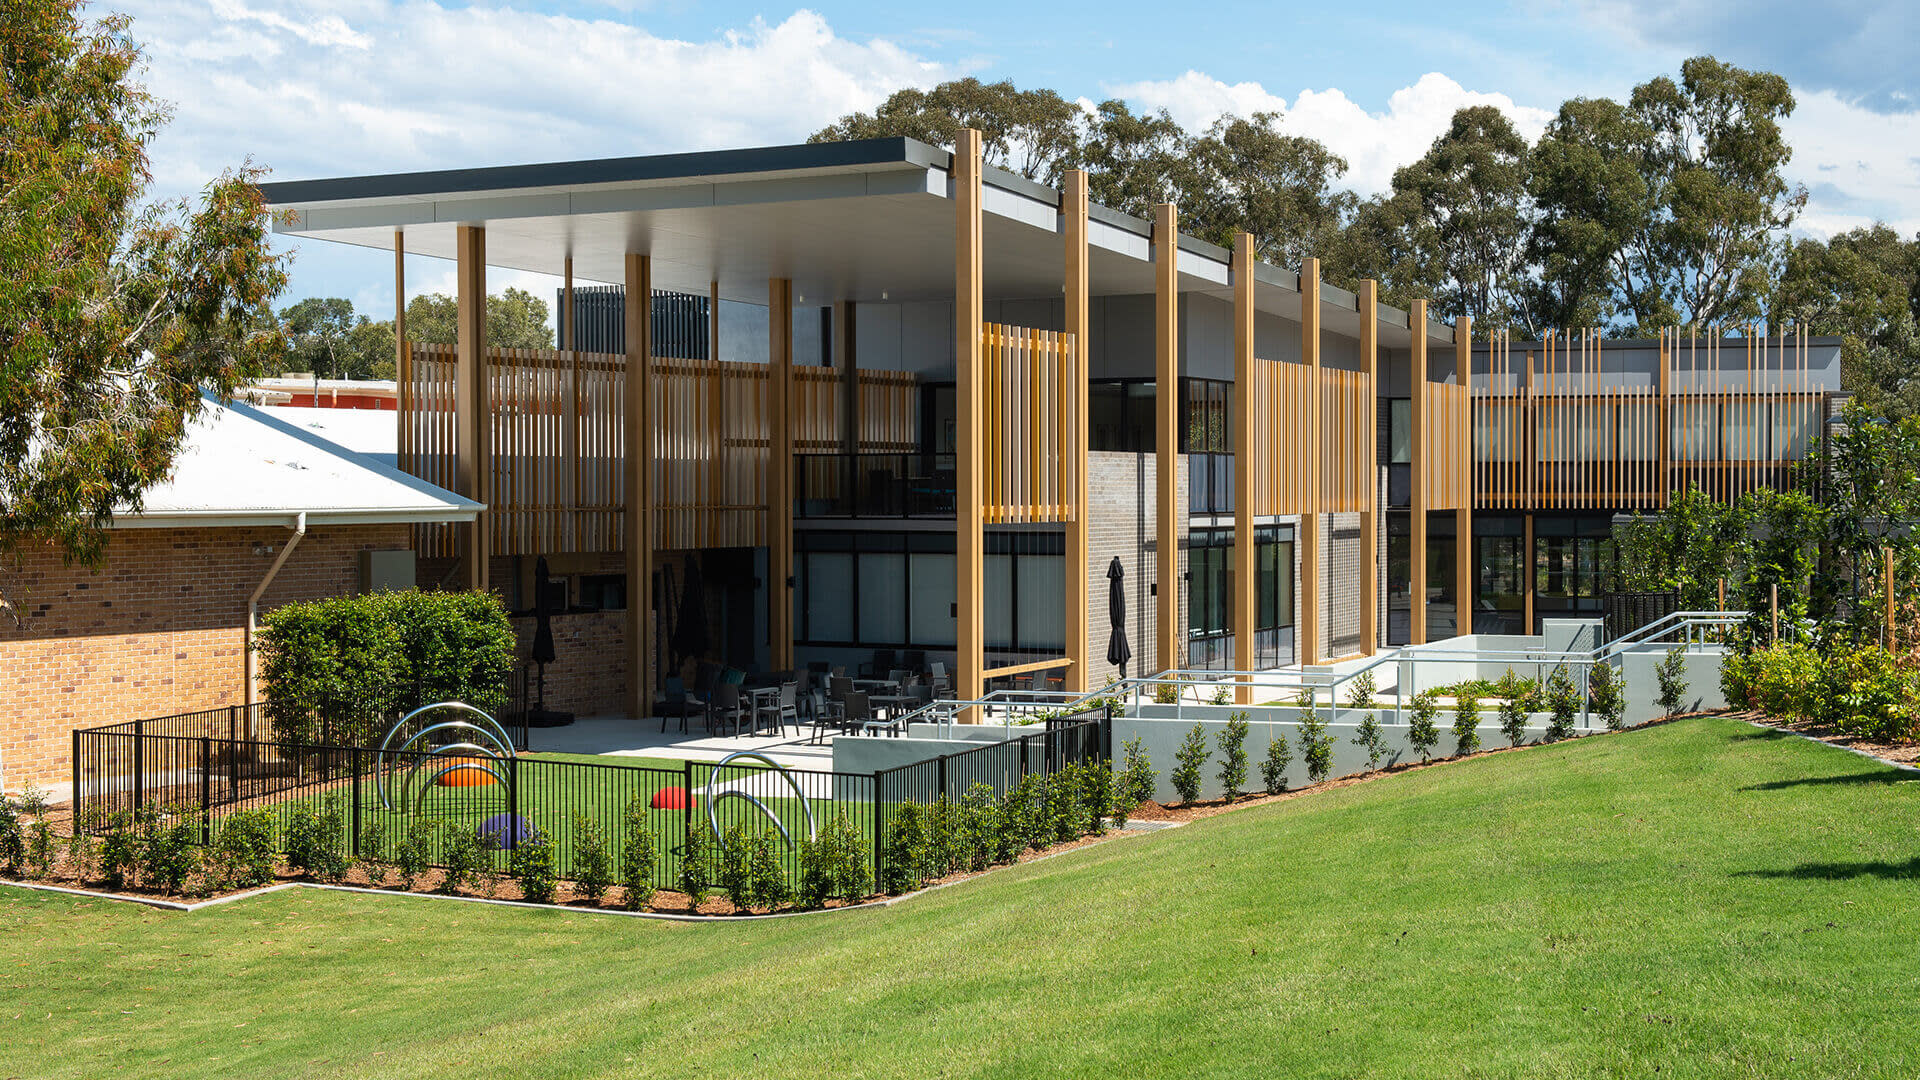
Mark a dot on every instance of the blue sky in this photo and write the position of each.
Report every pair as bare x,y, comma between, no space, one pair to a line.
359,86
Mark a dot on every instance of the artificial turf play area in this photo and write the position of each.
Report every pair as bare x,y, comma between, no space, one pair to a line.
1697,898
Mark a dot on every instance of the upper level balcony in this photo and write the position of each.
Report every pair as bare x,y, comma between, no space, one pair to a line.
873,486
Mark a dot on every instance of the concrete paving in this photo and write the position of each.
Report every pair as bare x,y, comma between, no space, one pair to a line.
624,736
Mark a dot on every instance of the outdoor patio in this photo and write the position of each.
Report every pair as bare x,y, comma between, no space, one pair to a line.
625,736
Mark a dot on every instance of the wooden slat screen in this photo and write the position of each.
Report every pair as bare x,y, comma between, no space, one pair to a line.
1444,465
1280,400
1346,449
1551,432
557,465
1029,458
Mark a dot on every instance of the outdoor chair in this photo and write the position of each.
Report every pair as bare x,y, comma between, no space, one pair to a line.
882,661
727,708
914,660
674,702
786,706
859,712
937,678
825,712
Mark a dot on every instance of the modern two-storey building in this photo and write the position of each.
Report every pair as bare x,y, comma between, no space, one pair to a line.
838,398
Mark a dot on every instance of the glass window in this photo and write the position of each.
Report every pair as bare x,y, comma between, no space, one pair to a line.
883,581
1043,616
930,608
1400,431
829,593
998,595
1695,430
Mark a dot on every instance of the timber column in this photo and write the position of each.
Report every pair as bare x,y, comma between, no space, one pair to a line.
472,396
1312,581
1243,603
1166,408
1073,213
1370,426
1417,451
1466,596
969,570
780,473
637,453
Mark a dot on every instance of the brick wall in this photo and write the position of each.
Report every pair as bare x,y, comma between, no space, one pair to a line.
588,676
1120,522
159,628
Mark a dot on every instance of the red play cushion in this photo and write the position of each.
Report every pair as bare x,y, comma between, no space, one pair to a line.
670,798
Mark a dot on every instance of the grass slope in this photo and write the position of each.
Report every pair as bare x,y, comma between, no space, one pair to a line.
1700,899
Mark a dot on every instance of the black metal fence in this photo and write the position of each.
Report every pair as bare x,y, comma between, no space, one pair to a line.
213,763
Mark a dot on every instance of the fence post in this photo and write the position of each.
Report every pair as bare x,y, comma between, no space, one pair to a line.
879,867
75,797
139,763
233,753
943,775
354,829
513,801
686,804
206,790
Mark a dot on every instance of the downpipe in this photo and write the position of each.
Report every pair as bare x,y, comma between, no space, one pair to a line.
253,602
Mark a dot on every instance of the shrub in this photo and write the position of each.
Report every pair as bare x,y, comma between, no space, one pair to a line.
1233,756
1188,761
1866,691
1135,785
696,862
1369,737
592,863
316,840
120,846
1018,819
1222,695
975,823
242,854
1608,695
1736,679
373,852
845,857
904,858
1513,719
1563,701
1273,767
531,864
40,839
1316,746
1784,680
639,849
169,856
1360,693
734,853
766,879
13,838
1466,724
82,855
465,857
942,840
816,872
1512,687
1167,693
1064,810
1672,677
1096,793
1423,728
414,854
357,660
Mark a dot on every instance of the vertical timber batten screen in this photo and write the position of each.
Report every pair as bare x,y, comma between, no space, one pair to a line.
557,453
1552,431
1029,457
1280,402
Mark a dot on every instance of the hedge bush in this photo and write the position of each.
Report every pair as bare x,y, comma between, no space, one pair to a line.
338,670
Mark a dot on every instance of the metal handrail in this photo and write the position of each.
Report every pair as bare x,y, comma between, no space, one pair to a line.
1692,623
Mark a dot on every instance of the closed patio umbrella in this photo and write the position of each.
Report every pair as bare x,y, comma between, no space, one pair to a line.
690,632
1118,651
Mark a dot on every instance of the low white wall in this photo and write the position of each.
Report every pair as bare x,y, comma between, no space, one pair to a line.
1643,682
1160,733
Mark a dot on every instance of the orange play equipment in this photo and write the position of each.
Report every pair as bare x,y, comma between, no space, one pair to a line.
466,772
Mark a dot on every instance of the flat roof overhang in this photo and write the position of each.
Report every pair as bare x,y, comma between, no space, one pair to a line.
860,221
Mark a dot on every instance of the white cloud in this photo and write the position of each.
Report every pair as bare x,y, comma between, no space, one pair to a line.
396,85
1374,143
1859,165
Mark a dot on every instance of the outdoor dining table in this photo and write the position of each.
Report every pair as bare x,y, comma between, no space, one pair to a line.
762,696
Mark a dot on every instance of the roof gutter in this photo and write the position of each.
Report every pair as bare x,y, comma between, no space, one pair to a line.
253,602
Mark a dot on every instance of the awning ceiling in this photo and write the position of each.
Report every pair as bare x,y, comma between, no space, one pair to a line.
858,221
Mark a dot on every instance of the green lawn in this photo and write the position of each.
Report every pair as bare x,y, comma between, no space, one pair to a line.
1697,899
